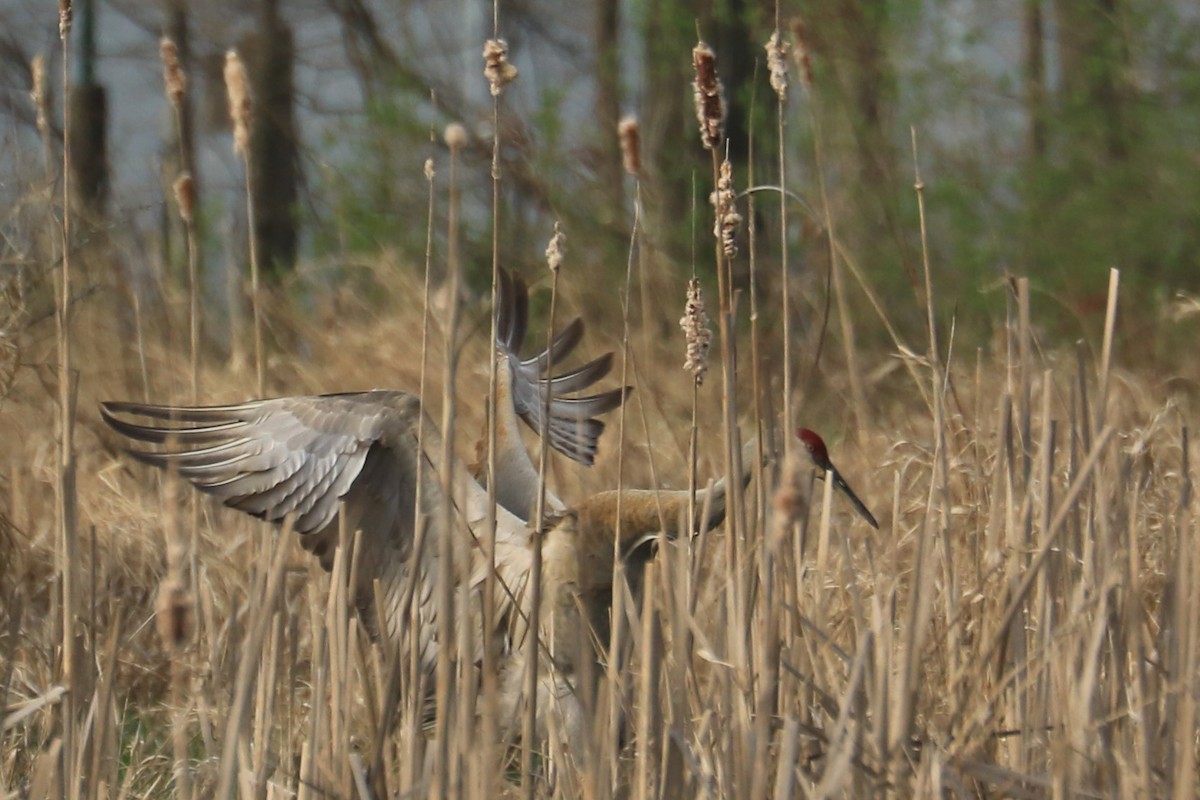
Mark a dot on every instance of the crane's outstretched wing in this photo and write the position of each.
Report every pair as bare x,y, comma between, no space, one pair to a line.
304,458
572,424
521,392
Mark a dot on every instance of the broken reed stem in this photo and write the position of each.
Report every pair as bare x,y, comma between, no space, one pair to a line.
445,577
67,509
240,105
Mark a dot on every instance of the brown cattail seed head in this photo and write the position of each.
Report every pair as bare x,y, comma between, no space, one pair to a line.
801,53
173,75
777,68
173,614
709,96
556,249
631,145
696,332
728,220
791,499
38,93
237,89
65,12
455,136
185,196
497,70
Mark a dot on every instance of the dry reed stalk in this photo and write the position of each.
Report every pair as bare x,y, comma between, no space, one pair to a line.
490,727
710,112
175,84
266,594
709,100
776,49
455,138
443,770
237,88
698,339
629,139
533,655
68,532
174,614
761,427
1110,323
649,721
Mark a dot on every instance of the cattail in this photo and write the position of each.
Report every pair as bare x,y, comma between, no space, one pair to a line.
728,220
709,96
185,196
38,93
173,75
777,68
455,136
66,11
173,614
791,500
237,89
696,331
801,53
631,145
497,70
556,249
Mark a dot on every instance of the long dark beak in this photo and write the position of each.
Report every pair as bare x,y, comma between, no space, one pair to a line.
840,483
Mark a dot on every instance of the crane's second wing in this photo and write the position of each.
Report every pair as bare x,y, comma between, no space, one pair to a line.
572,425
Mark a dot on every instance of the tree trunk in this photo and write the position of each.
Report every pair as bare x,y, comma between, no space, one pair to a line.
607,107
274,144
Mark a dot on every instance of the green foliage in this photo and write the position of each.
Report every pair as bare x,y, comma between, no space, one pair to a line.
372,181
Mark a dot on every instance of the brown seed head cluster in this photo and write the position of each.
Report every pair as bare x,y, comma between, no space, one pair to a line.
556,249
185,196
777,68
696,332
173,614
728,220
631,147
801,53
38,93
237,89
709,96
66,11
173,75
791,500
497,70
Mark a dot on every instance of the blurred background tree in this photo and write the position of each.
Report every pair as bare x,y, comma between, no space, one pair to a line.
1057,138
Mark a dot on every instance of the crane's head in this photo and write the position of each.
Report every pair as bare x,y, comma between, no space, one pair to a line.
815,446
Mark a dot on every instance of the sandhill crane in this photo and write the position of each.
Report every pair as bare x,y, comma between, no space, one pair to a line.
304,458
815,446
